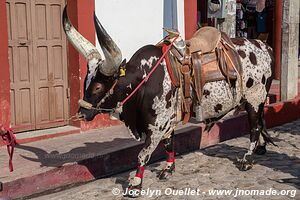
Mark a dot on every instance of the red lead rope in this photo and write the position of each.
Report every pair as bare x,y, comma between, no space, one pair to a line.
9,138
146,78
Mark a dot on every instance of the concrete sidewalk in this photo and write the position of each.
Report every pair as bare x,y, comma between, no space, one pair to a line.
49,164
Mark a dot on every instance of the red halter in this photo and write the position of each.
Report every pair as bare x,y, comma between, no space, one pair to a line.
165,51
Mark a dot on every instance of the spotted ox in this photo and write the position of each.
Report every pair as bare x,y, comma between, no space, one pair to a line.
152,111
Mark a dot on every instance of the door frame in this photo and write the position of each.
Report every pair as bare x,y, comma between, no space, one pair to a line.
4,69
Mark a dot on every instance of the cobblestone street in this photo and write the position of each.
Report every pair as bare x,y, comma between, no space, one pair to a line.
213,168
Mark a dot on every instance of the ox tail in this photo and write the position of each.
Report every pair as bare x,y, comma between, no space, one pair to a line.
267,138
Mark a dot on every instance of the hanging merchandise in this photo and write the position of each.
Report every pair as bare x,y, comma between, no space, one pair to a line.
241,25
270,3
260,5
239,12
251,6
261,22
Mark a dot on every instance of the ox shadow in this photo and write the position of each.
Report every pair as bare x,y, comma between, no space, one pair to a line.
54,158
104,159
272,159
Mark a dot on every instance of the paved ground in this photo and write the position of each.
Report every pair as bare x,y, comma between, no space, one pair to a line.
213,169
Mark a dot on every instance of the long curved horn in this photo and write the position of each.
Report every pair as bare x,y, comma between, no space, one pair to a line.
86,48
111,51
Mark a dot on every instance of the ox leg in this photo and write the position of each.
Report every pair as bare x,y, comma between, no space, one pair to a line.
135,185
261,146
259,136
246,162
264,137
170,165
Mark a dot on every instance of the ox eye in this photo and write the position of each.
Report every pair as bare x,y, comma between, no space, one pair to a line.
98,88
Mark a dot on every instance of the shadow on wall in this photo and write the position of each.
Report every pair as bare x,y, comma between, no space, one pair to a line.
57,159
101,160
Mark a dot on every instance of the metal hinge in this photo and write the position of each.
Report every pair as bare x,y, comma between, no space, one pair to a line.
68,93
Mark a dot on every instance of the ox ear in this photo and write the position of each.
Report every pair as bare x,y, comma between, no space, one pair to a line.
123,63
86,48
122,69
112,53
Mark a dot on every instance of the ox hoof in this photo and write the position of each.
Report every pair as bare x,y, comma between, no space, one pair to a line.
133,191
164,174
244,165
260,150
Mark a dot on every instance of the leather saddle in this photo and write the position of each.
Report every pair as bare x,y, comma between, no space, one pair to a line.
222,63
205,40
212,58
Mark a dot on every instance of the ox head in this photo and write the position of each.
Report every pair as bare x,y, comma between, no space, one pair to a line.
101,71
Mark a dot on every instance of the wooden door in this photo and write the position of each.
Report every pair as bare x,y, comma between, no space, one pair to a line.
21,64
38,68
50,61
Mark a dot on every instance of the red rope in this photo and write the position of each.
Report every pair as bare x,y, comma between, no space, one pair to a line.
164,48
9,138
146,78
